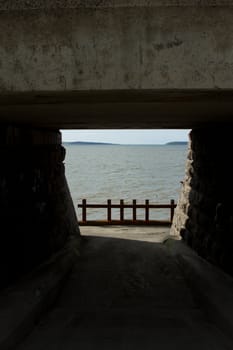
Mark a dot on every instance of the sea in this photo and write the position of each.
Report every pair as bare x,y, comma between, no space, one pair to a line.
101,172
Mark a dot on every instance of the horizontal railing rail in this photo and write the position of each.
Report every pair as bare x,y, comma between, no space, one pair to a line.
122,206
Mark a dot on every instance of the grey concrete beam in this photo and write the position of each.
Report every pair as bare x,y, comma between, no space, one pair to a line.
134,109
116,48
43,4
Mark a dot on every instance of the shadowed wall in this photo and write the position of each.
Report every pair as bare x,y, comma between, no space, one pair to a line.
36,210
204,216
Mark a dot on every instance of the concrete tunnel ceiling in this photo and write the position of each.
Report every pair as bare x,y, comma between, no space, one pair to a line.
116,64
134,109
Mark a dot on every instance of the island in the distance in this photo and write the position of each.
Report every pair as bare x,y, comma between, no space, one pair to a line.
84,143
177,143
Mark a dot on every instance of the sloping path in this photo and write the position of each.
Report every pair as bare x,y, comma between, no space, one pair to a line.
125,294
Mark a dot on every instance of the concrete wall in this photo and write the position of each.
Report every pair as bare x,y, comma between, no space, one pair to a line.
206,214
85,45
36,210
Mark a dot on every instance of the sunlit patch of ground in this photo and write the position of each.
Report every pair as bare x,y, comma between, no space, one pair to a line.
154,234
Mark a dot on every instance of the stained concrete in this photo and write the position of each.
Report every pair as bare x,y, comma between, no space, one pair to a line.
114,47
126,294
50,50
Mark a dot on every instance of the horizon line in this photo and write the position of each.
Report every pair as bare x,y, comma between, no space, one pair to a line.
125,144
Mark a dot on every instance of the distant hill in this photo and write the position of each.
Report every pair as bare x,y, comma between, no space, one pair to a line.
81,143
177,143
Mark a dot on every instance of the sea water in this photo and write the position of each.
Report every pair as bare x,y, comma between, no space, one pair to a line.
100,172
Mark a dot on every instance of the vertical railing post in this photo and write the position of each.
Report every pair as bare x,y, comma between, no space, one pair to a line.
109,211
84,212
122,210
134,210
172,209
147,211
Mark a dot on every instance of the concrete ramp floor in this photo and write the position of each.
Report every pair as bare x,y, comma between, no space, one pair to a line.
125,293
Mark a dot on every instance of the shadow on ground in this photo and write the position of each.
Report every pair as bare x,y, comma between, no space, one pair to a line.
125,294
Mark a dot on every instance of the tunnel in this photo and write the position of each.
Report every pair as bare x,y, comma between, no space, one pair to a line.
36,206
111,65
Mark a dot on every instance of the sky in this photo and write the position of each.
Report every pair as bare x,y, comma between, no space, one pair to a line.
126,136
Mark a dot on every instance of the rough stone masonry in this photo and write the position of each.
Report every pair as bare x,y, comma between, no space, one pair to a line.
204,216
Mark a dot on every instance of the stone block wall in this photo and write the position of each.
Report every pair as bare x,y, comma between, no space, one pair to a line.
181,211
206,219
36,211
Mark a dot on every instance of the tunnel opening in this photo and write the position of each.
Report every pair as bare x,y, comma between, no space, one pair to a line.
38,143
146,166
208,213
203,215
111,65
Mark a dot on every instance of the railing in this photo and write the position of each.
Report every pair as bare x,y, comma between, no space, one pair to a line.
122,206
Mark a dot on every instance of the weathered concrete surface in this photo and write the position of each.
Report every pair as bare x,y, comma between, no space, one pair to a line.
133,47
126,294
51,47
